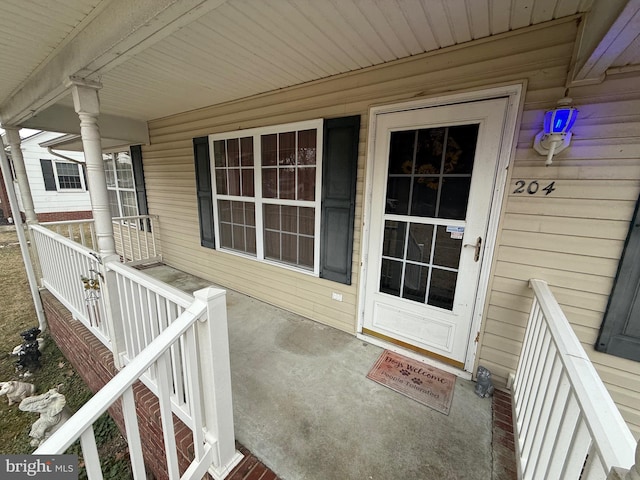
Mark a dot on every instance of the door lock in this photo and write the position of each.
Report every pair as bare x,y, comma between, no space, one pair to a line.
477,245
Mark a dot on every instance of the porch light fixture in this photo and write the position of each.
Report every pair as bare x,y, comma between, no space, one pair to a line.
557,129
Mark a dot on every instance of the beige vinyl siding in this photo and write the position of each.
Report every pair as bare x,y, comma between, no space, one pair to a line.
572,238
539,55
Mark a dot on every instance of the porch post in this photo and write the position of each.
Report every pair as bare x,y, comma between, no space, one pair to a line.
618,473
13,138
24,248
87,106
215,369
34,272
634,472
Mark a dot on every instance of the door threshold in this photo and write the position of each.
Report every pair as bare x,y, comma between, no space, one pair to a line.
408,351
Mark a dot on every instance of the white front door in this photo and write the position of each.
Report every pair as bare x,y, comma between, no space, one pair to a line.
433,180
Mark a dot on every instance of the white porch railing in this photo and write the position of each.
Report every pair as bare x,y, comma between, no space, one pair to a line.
153,329
146,307
64,264
202,330
80,231
136,237
566,424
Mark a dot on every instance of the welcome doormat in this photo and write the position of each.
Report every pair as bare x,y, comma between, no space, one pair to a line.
417,380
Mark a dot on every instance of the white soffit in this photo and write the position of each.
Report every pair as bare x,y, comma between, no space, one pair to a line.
239,48
247,47
33,31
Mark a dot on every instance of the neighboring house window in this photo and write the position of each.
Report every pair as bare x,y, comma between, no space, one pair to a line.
267,196
120,184
283,195
61,176
620,330
68,176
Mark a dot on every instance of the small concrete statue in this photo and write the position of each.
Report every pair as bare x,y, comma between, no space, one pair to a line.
29,354
16,391
484,386
53,413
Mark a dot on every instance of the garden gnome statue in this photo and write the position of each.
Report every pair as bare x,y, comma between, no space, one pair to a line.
53,413
29,354
484,386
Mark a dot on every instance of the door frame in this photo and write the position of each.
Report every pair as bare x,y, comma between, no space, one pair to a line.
515,105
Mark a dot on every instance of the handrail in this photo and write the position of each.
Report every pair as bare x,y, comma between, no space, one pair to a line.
601,413
105,397
62,239
145,307
81,229
63,265
152,332
134,217
559,398
67,222
135,238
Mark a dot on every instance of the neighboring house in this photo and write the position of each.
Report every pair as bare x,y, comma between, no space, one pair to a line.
58,184
375,170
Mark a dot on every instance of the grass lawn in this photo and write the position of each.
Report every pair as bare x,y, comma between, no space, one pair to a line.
17,314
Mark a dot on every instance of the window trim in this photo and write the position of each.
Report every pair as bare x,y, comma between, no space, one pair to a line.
259,201
117,188
60,189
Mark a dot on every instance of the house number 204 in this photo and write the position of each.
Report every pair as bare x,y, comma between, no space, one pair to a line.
533,187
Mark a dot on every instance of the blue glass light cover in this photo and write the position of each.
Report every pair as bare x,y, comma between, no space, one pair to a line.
560,120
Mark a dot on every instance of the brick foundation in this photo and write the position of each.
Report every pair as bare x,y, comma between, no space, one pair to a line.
64,216
504,457
5,209
94,363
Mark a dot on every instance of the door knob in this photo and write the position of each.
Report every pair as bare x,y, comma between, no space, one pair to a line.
477,245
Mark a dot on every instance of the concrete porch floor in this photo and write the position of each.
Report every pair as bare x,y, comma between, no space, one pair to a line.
304,407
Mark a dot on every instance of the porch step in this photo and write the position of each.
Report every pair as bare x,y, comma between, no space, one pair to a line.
504,455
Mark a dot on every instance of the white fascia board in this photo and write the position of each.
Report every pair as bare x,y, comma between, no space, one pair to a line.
610,27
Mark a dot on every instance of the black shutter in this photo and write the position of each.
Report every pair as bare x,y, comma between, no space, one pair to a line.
620,330
138,178
203,188
48,175
83,167
339,172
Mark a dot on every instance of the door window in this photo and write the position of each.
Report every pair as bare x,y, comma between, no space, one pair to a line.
428,184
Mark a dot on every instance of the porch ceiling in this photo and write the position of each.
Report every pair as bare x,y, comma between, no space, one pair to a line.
156,58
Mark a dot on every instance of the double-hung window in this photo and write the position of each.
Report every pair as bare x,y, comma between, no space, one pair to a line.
69,177
266,196
120,184
62,176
